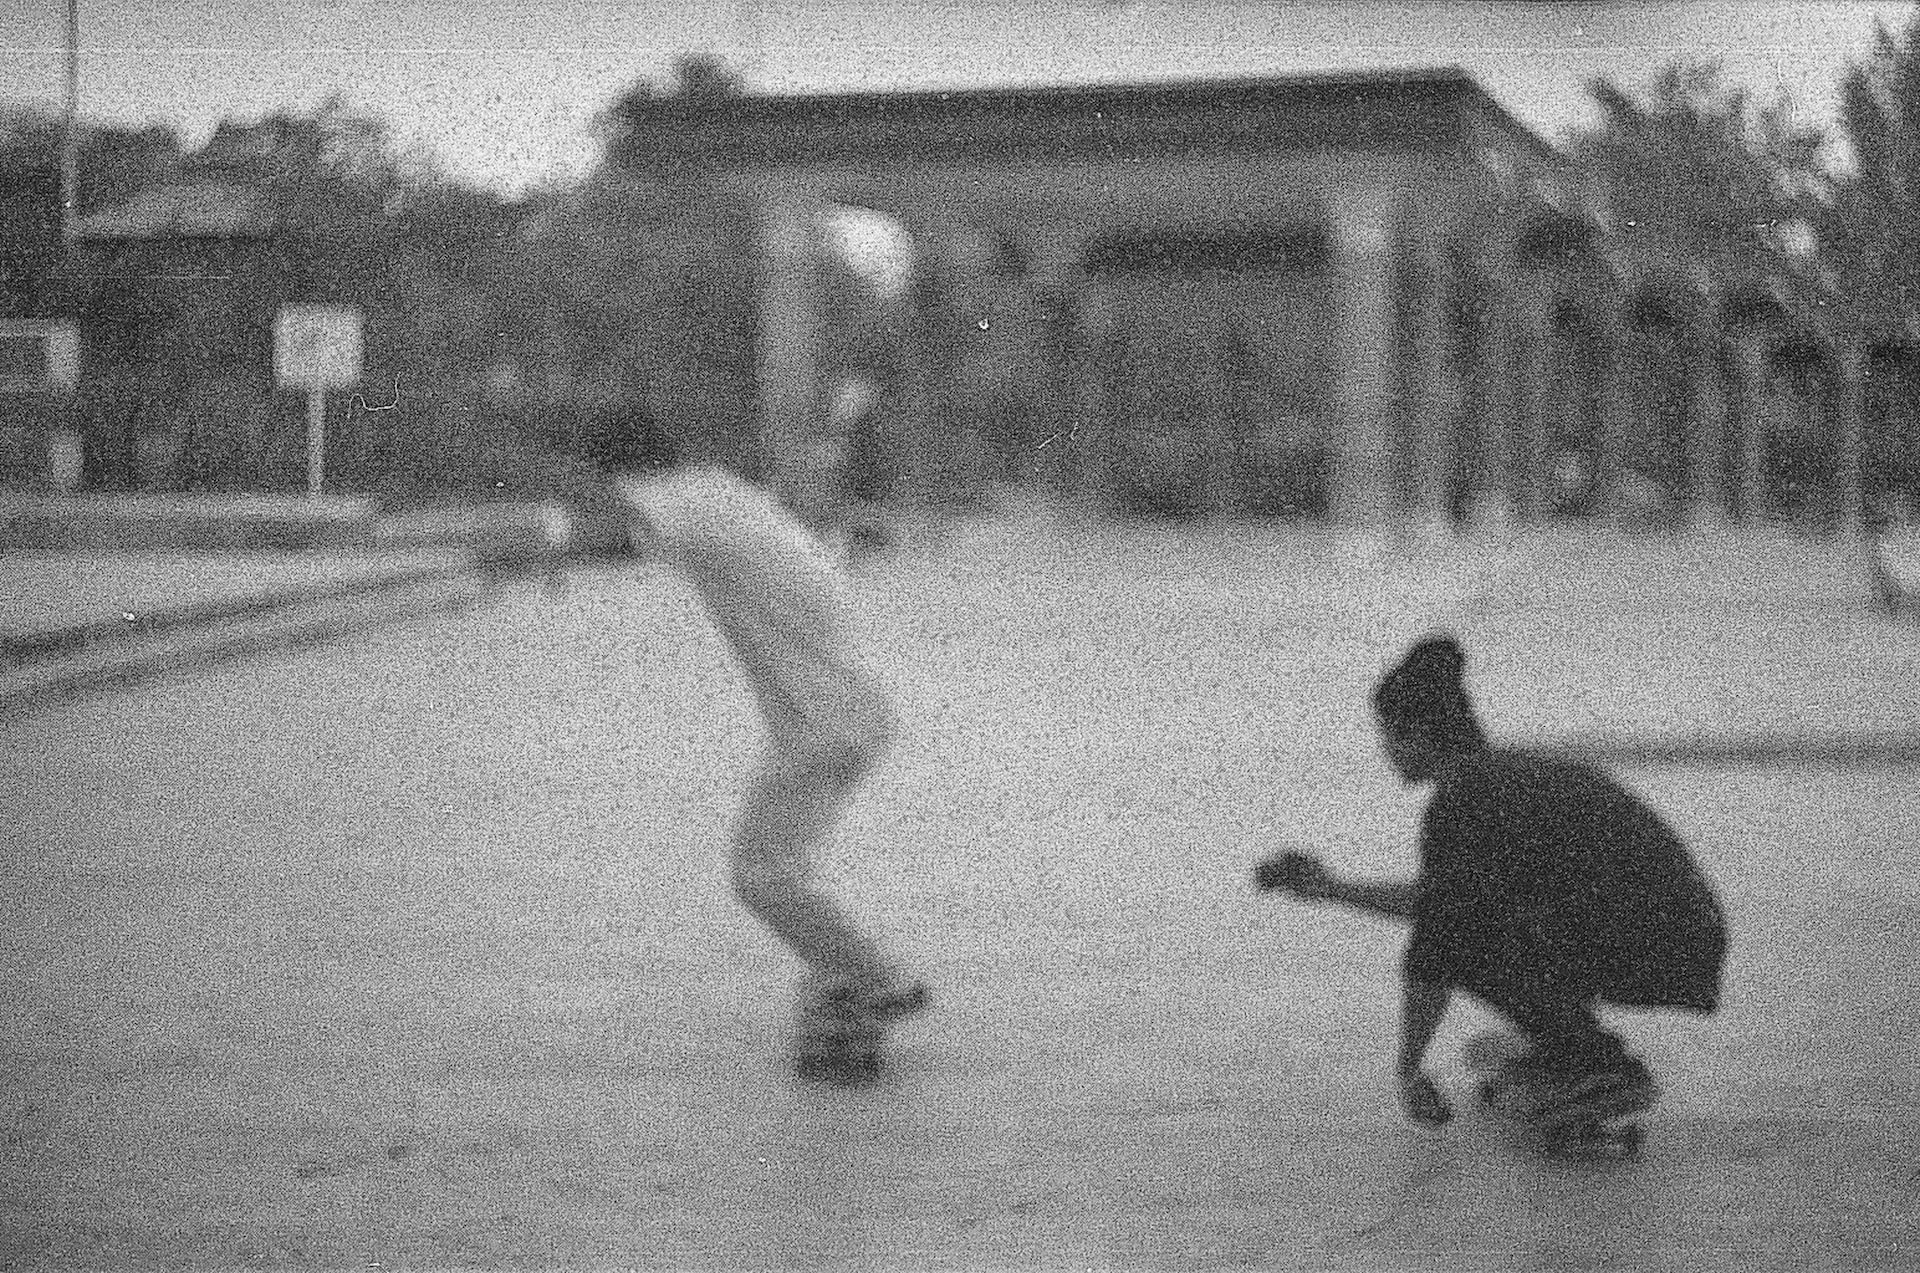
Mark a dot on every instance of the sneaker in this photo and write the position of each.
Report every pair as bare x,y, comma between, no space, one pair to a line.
828,998
898,1003
836,1041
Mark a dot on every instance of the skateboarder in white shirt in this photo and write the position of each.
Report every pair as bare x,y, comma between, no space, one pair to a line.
781,601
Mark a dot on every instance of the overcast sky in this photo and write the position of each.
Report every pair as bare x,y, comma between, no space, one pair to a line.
504,91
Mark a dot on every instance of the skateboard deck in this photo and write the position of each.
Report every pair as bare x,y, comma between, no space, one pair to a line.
1603,1122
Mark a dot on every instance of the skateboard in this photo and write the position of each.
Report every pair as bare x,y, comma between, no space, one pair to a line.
837,1044
1603,1122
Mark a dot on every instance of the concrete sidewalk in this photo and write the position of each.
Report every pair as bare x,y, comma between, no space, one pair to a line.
1729,648
74,622
101,590
48,593
420,951
1736,647
199,521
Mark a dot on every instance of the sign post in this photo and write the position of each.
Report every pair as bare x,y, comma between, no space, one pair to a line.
317,348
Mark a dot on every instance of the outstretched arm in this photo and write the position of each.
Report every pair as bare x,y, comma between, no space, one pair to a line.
1391,898
1307,877
562,540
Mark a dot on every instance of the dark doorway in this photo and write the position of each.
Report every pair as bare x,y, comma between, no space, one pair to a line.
1215,372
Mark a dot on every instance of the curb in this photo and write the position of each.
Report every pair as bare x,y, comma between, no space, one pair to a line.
101,634
44,669
1867,751
161,522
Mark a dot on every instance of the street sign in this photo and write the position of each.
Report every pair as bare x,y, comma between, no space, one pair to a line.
38,354
317,346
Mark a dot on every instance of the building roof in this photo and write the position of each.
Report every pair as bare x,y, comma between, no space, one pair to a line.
191,207
1394,109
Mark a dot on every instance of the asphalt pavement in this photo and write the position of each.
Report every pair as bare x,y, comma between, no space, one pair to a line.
1733,646
414,947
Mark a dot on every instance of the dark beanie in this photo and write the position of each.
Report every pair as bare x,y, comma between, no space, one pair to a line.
1427,692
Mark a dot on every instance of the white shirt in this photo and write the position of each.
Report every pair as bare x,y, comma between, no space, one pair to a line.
777,596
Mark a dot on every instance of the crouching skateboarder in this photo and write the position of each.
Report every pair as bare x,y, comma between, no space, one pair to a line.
1544,889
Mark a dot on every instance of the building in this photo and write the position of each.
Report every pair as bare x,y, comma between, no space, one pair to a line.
1375,294
1236,291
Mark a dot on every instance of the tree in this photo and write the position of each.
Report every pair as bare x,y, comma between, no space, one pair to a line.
180,328
704,77
112,164
1876,240
1876,226
1692,170
700,82
634,293
637,302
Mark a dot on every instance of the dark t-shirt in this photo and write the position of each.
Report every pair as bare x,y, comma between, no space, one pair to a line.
1541,878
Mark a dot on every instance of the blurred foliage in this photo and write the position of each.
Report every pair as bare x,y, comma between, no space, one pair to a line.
632,306
1710,187
179,390
1875,229
614,318
363,225
1691,170
700,82
112,165
1874,239
617,316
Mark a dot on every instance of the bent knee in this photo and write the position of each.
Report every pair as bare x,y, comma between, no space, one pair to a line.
759,880
836,763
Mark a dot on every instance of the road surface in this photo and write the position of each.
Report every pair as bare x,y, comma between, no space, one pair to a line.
417,950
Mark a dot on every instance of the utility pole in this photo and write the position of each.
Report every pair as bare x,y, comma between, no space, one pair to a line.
69,133
750,24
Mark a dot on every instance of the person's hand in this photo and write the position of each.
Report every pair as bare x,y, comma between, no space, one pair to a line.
1421,1098
1298,873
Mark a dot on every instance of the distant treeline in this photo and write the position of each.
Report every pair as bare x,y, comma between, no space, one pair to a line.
617,312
